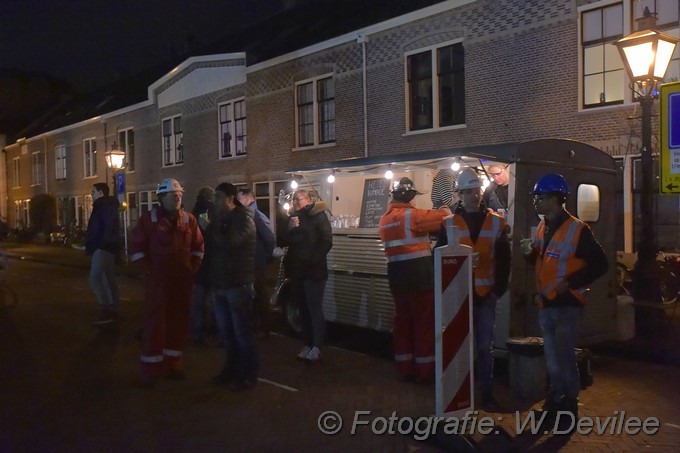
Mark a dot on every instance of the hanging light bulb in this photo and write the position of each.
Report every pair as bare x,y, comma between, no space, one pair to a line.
286,206
293,184
389,174
485,184
331,178
455,166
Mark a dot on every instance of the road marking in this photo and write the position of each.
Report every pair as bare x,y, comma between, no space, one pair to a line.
276,384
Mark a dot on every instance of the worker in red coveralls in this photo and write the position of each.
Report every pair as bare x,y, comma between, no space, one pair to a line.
405,231
168,243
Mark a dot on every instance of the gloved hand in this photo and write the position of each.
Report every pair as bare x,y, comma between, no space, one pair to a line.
527,246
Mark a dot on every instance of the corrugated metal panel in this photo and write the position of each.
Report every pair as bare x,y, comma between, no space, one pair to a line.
357,292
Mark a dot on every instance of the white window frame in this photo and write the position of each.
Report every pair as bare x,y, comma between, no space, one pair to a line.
315,114
60,162
169,143
435,89
16,173
631,10
146,201
36,168
90,150
230,125
127,145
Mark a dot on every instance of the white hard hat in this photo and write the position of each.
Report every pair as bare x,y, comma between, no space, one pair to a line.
468,179
169,185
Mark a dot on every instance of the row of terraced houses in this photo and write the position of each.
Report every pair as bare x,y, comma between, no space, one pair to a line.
443,75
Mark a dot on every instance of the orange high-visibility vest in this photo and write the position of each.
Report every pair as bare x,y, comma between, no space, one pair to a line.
405,231
559,260
491,230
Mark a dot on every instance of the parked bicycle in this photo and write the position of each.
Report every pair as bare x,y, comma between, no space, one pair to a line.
669,266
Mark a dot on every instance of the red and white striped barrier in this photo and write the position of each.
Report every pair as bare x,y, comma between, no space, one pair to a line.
454,370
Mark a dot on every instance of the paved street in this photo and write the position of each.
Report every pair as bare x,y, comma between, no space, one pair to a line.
67,386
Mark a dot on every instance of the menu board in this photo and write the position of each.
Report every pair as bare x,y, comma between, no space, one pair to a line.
374,202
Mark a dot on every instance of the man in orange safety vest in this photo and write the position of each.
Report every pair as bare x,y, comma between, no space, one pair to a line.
405,231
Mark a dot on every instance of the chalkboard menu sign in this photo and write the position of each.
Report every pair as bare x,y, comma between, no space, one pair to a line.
374,202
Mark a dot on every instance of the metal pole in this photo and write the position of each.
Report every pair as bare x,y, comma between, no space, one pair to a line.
646,278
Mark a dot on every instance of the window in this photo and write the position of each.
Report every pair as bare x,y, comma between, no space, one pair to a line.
604,81
132,209
22,218
233,131
436,87
90,157
147,201
173,149
16,173
36,168
588,203
315,111
60,161
126,141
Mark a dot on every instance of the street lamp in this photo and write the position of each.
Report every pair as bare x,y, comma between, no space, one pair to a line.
646,55
115,160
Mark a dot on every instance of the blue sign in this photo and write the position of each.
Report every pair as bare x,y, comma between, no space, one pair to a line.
120,182
674,120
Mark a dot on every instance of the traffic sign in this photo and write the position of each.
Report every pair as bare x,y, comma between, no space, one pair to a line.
669,123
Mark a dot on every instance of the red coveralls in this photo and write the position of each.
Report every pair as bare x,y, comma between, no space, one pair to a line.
171,252
405,231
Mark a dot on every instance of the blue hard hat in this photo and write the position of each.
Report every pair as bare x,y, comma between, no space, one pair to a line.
551,183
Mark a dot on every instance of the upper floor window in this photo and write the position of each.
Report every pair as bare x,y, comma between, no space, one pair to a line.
36,168
90,157
16,173
233,131
126,141
603,77
603,70
60,161
173,148
315,111
435,80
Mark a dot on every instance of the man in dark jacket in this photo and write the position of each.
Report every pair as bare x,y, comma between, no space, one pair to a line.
231,272
264,247
309,238
102,244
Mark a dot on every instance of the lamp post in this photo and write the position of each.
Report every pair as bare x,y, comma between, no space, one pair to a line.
646,55
115,160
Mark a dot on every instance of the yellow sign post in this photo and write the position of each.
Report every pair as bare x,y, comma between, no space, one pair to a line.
669,122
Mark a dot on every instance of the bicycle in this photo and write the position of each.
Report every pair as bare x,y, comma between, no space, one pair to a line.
669,266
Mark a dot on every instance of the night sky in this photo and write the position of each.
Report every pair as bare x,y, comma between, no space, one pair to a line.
88,43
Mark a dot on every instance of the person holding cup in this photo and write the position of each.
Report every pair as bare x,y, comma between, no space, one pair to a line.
309,238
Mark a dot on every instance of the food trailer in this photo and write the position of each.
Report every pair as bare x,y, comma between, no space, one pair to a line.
357,292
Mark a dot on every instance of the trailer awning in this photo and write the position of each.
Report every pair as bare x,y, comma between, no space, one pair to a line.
471,155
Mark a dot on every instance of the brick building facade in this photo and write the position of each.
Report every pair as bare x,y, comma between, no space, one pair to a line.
528,69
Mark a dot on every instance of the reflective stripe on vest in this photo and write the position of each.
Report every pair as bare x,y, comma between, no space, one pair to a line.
403,357
151,358
483,273
408,246
559,259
